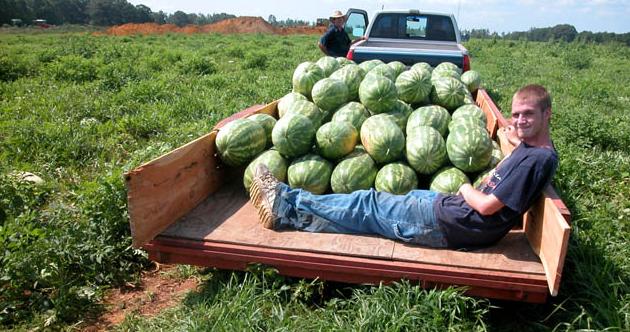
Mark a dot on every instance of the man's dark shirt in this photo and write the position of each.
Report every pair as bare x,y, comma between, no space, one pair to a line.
517,181
336,41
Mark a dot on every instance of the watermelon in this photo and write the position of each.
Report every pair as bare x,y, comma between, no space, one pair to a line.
353,112
414,86
351,75
239,141
382,138
287,100
336,139
396,178
469,110
422,65
448,180
273,160
480,178
466,122
437,74
383,70
368,65
329,93
328,65
398,67
497,155
266,121
308,109
448,66
469,149
310,172
448,93
378,93
400,114
354,172
434,116
343,61
472,80
305,76
426,150
293,135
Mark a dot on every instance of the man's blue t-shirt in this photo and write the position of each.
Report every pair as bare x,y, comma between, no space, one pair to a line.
517,181
336,41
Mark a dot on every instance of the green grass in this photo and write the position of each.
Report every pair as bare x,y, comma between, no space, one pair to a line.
79,110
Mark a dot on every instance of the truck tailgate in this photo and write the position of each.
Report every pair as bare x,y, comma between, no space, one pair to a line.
408,52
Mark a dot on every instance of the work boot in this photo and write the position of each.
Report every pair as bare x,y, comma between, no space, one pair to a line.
263,192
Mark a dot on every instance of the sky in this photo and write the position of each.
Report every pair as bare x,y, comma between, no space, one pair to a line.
494,15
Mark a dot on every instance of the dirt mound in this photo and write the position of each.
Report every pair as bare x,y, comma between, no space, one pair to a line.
243,24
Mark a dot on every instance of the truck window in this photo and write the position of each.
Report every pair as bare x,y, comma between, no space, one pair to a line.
416,26
355,25
406,26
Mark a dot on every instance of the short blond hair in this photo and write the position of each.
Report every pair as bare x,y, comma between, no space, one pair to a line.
535,93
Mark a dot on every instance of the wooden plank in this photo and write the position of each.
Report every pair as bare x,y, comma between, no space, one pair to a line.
494,119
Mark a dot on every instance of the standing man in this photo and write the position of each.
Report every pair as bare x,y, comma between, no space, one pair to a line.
335,42
475,217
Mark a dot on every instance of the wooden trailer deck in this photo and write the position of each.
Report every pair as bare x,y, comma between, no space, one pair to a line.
186,208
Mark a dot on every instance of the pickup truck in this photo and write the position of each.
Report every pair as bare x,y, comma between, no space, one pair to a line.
408,36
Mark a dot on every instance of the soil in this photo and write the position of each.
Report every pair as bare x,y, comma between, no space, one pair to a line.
158,289
243,24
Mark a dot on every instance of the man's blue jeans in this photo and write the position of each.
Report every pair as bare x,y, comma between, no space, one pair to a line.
409,218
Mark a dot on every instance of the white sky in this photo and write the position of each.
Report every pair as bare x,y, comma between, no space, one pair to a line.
495,15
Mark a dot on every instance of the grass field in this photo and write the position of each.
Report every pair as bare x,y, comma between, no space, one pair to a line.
79,110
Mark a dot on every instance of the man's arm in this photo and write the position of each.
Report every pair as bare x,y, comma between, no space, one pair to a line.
322,47
483,203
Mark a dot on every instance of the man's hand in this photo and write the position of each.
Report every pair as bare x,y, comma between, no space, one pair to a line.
483,203
510,134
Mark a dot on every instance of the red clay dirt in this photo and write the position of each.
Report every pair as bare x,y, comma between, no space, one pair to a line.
243,24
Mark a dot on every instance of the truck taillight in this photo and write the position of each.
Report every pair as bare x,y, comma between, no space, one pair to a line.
350,54
466,63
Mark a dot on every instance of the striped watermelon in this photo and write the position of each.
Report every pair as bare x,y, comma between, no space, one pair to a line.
396,178
266,121
448,180
328,65
351,75
437,74
310,172
287,100
426,150
472,80
378,93
336,139
370,64
469,110
293,135
353,112
329,93
354,172
469,149
448,66
497,155
434,116
414,86
305,76
308,109
343,61
383,70
273,160
448,93
466,122
398,67
239,141
422,65
400,114
382,138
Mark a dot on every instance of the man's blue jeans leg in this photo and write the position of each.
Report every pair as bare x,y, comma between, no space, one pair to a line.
408,218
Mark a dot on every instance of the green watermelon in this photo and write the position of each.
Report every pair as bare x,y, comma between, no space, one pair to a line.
351,75
448,180
426,150
472,80
469,149
328,65
336,139
368,65
480,178
378,93
382,138
466,122
308,109
434,116
448,66
396,178
422,65
293,135
448,93
400,114
497,155
329,93
398,67
414,86
239,141
354,172
469,110
266,121
287,100
437,74
353,112
305,76
273,160
343,61
310,172
383,70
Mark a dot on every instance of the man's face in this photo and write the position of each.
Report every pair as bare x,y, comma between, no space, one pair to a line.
528,119
338,22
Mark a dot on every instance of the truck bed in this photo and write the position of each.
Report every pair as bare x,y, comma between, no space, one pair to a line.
186,208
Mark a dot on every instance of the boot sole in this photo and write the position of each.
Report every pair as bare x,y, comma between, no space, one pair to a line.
265,215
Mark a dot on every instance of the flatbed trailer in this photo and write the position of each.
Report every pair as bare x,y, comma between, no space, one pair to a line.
186,207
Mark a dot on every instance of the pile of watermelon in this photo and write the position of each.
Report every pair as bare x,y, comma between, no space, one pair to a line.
348,126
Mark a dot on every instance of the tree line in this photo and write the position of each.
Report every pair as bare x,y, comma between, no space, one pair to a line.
95,12
563,32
